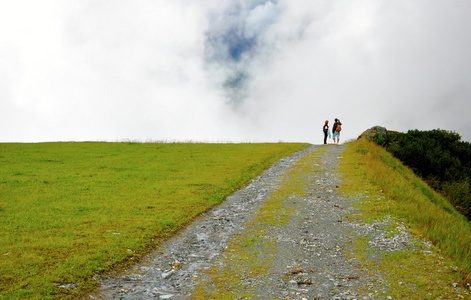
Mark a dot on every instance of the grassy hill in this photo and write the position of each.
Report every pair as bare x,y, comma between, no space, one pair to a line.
69,211
394,190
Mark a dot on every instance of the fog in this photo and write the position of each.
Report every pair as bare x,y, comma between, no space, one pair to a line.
231,71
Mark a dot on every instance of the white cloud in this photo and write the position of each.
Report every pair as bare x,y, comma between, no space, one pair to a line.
231,70
260,19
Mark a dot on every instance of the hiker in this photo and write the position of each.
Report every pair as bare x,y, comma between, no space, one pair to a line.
336,130
326,131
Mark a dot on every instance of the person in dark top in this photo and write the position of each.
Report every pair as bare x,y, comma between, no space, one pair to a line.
326,131
336,130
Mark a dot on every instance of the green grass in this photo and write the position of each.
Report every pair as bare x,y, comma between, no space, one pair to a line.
69,211
393,189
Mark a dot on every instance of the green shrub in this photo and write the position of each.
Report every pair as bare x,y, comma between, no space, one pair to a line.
379,139
439,157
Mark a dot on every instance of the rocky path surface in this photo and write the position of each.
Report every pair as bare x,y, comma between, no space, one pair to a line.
289,234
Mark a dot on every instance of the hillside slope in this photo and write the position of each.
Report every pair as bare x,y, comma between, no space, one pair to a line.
394,190
336,221
316,225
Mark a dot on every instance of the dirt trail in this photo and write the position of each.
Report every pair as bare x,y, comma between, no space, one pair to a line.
289,234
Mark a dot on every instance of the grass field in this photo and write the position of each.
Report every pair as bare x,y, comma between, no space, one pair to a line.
69,211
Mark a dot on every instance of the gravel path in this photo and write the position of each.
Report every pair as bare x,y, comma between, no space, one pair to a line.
287,235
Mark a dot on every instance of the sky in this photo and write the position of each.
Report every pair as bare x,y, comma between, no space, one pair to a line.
231,70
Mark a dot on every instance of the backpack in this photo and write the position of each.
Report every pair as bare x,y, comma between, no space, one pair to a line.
338,128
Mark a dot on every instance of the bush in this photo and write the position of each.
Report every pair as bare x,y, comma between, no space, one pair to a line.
435,154
379,139
439,157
